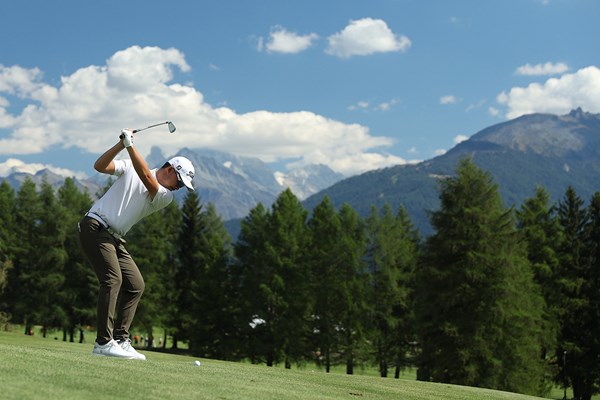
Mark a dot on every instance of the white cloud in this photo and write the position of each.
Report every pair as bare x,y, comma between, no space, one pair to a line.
88,108
366,106
386,105
493,111
542,69
361,105
450,99
344,161
283,41
460,138
366,36
439,152
556,95
13,165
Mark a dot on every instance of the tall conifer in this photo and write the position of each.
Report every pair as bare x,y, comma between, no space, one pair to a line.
479,309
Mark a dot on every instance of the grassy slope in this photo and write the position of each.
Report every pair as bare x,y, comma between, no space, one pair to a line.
37,368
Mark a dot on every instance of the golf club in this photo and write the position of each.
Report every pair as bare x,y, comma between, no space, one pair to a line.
169,123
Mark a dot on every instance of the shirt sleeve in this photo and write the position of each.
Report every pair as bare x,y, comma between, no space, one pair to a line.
162,198
121,166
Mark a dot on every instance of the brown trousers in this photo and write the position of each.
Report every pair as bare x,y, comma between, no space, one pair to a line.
121,283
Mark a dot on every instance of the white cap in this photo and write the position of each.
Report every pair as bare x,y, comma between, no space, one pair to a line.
184,169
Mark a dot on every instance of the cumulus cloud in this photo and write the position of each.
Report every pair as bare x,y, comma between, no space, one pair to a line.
366,36
283,41
556,95
135,88
13,165
542,69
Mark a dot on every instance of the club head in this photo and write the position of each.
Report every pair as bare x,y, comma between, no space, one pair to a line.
171,126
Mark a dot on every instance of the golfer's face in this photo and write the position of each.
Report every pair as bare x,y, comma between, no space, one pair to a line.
173,180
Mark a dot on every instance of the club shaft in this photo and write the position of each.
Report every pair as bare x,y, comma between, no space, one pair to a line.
151,126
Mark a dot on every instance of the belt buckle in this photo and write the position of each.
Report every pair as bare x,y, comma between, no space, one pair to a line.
115,234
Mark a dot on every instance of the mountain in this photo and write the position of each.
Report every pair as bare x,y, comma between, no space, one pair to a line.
16,179
308,180
538,149
233,184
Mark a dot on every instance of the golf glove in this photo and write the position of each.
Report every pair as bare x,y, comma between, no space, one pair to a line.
127,137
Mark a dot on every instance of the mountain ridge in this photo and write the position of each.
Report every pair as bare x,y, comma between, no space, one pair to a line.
536,149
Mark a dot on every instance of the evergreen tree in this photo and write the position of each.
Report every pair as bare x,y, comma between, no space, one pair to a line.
7,240
326,279
590,323
271,254
152,244
188,274
7,217
213,334
392,257
352,288
578,279
542,234
19,293
252,275
47,275
407,247
288,289
479,310
80,284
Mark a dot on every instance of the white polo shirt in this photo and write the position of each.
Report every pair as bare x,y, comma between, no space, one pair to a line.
128,201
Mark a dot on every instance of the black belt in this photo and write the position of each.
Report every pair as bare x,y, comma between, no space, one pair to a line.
103,223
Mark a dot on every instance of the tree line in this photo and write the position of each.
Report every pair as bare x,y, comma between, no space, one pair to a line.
498,297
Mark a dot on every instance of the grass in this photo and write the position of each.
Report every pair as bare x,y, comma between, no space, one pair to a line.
32,367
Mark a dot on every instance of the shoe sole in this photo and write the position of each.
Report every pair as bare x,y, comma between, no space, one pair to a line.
113,356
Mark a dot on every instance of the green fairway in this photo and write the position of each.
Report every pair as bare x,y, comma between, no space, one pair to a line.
35,368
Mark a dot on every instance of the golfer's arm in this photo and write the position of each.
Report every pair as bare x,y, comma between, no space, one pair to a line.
141,168
104,164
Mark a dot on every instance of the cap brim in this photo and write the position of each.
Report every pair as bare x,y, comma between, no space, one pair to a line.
188,183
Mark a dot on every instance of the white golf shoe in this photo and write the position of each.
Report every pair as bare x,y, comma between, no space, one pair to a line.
126,345
111,349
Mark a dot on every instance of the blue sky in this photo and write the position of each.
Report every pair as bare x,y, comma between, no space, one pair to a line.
353,84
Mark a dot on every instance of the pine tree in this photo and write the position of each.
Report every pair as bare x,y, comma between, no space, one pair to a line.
81,284
479,311
326,279
253,273
27,219
188,274
590,332
213,333
152,244
47,275
353,287
542,234
578,279
392,258
286,250
7,242
7,217
407,246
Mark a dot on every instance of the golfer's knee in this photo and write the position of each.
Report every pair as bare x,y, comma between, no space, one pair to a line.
138,287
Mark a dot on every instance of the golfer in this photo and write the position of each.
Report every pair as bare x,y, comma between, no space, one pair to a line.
136,193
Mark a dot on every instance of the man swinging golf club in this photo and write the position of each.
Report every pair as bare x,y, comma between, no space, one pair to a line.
136,193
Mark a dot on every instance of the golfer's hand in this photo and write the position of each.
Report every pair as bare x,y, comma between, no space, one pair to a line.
127,137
